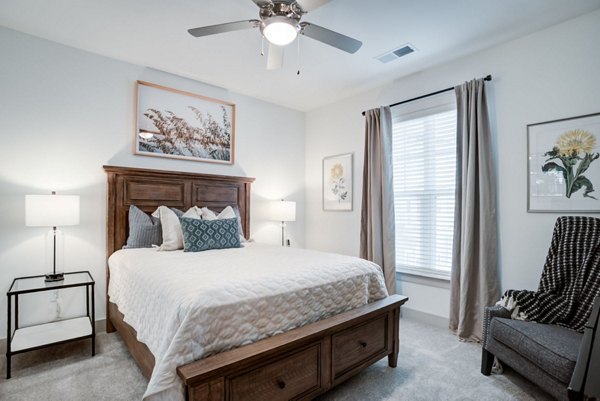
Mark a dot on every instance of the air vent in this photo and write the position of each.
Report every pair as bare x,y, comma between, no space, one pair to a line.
396,53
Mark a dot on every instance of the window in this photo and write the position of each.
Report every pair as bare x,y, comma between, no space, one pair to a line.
424,158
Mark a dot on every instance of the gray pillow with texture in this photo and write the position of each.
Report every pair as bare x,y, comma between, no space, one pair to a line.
144,230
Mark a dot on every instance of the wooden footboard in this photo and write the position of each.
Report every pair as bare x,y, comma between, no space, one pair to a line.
302,363
299,364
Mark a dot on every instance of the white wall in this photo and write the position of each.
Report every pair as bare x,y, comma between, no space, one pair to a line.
545,76
64,113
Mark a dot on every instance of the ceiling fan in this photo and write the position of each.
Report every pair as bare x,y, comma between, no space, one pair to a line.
280,24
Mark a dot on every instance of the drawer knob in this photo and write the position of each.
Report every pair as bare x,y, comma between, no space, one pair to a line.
363,344
281,384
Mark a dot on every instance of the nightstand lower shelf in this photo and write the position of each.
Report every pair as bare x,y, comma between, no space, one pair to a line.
41,335
23,339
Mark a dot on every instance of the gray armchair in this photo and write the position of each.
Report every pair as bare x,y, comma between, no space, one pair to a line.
565,308
560,360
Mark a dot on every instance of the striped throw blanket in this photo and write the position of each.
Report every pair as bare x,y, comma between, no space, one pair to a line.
570,280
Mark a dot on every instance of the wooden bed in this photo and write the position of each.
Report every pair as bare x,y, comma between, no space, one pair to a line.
297,365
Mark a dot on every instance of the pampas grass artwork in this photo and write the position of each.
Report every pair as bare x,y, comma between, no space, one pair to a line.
177,124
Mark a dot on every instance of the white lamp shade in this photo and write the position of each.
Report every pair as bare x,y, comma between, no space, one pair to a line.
51,210
283,210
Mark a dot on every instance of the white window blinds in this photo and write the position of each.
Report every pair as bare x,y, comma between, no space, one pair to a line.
424,157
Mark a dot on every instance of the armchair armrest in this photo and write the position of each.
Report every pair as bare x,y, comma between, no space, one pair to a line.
487,359
588,359
488,314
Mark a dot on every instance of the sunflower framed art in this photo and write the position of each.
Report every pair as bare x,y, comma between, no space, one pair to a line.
337,182
564,165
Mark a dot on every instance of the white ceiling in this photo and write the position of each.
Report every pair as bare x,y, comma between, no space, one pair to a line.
153,33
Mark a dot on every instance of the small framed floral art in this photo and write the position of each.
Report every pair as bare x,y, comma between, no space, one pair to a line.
337,182
564,170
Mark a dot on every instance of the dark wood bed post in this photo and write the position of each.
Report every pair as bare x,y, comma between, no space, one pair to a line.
148,189
110,235
393,357
110,246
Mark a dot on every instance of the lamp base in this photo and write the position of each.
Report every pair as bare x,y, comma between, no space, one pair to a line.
54,277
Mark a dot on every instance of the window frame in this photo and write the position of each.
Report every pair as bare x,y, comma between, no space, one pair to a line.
409,111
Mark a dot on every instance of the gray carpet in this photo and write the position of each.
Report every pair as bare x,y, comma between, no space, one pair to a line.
432,365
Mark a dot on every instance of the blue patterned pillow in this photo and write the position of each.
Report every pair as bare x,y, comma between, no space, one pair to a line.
202,235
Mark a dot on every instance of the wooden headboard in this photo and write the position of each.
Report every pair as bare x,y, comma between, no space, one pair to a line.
148,189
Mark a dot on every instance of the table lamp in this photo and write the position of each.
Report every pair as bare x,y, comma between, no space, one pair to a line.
283,211
52,211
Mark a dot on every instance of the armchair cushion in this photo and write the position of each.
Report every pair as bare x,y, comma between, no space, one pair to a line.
550,347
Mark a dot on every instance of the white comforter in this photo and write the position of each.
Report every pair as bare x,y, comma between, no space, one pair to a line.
186,306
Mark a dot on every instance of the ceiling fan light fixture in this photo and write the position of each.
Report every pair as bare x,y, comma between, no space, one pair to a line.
280,30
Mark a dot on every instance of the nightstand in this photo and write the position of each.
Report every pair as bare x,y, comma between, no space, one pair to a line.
24,339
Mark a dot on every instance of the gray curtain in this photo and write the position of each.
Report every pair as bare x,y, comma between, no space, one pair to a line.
474,278
377,229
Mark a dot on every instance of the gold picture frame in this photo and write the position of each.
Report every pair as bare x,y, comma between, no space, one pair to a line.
176,124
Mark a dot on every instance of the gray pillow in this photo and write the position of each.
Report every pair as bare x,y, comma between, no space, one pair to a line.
144,230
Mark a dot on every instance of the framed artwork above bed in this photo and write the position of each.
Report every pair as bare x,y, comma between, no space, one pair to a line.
182,125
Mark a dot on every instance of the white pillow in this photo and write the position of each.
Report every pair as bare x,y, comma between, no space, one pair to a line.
171,229
193,213
208,214
227,213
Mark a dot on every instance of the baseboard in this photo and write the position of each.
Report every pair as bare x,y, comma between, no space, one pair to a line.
424,317
100,328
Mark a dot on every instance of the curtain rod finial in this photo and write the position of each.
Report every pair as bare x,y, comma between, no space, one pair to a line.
488,78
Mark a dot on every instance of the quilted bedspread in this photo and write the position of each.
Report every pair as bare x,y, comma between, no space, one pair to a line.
186,306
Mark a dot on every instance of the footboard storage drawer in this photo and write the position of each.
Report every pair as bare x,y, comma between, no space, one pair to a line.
300,364
291,377
359,345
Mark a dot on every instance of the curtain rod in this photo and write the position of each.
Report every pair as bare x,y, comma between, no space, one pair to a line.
486,78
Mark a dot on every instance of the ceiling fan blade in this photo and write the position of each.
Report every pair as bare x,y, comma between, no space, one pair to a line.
310,5
330,37
221,28
275,57
262,3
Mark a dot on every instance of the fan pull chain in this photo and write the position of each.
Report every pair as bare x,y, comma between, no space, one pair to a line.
262,46
299,64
